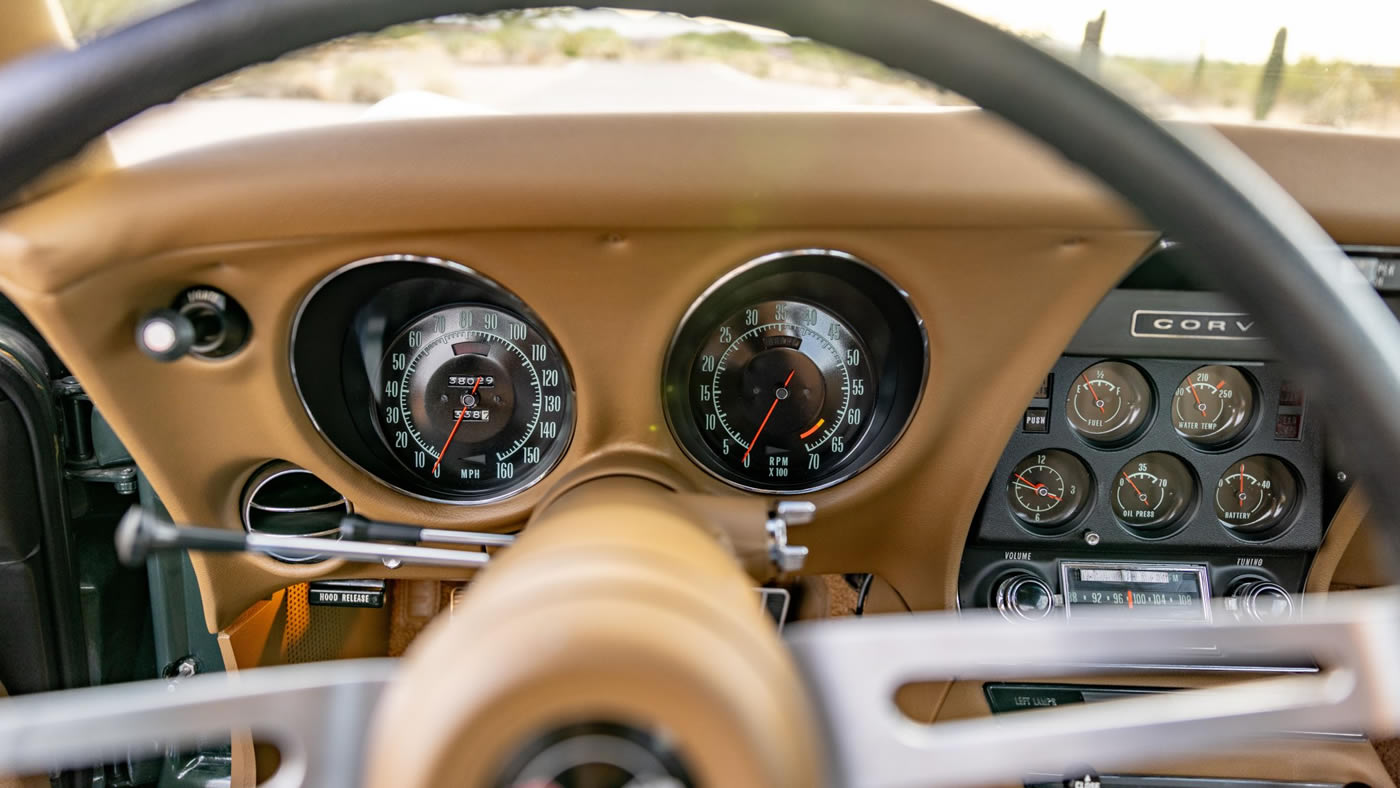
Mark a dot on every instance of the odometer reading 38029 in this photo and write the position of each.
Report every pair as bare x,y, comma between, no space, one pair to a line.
475,401
782,393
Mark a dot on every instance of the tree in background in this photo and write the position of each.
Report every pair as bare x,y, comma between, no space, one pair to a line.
1198,77
1089,52
1272,77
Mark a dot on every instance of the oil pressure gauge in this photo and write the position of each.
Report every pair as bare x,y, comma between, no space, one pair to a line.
1153,491
1108,403
1256,494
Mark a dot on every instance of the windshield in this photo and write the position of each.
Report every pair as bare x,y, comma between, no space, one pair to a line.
1329,65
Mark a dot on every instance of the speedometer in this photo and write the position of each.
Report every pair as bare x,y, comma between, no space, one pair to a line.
474,401
795,372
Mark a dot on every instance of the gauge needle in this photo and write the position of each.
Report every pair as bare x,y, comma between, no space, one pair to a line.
1090,387
1241,485
1036,487
1198,399
455,425
1135,487
766,416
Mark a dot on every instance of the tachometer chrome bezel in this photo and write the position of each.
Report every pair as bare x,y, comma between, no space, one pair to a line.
719,285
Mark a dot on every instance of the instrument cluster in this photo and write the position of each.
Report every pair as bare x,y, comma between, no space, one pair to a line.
793,373
1147,450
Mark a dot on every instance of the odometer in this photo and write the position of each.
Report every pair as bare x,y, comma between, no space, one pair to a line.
474,401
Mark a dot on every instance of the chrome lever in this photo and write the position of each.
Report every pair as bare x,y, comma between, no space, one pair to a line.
140,532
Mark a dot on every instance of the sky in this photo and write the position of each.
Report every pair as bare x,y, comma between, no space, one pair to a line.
1360,31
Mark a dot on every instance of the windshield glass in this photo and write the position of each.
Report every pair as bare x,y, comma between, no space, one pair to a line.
1251,61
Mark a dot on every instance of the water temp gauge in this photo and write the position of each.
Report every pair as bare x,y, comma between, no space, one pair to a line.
1048,488
1108,403
1153,491
1256,494
1213,406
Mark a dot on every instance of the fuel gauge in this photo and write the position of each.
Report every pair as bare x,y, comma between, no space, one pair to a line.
1108,403
1153,491
1256,494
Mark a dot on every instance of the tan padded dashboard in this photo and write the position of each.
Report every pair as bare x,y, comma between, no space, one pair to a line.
609,227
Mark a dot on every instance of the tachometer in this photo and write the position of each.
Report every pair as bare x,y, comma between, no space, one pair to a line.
474,401
783,388
795,372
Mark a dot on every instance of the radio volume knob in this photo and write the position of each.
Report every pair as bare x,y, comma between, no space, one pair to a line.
1262,600
1024,597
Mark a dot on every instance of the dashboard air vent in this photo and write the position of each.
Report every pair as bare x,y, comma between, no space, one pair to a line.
282,499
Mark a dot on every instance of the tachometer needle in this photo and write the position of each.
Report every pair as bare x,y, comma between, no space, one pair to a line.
455,425
766,416
1088,386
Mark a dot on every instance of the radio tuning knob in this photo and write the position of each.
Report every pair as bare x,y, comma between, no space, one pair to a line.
1024,597
1261,600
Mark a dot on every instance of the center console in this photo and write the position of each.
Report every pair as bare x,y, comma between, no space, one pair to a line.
1167,460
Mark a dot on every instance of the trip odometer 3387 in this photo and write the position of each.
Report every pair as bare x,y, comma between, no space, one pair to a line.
794,373
474,401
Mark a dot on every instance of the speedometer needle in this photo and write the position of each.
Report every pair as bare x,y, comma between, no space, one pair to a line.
766,416
455,425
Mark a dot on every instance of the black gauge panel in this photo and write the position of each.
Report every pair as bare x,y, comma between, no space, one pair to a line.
433,379
794,373
474,400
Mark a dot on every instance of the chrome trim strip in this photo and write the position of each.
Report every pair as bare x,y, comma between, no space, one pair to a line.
717,285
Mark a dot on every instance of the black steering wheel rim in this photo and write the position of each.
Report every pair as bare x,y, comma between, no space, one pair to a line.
1247,234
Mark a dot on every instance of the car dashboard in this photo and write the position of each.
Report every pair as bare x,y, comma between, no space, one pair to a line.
435,322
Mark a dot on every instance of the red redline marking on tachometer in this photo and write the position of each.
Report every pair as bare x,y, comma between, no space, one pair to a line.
455,425
814,428
766,417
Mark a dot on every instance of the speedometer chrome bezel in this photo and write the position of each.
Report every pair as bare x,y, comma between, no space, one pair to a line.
748,268
502,298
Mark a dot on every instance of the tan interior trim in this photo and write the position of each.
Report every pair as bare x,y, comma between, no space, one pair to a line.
1350,555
